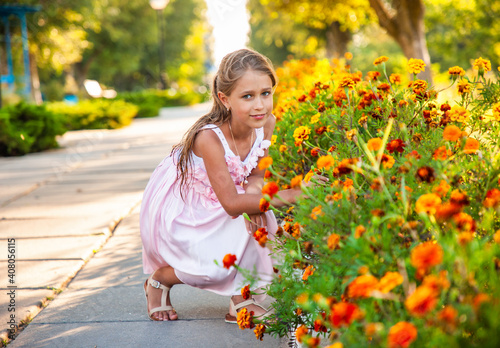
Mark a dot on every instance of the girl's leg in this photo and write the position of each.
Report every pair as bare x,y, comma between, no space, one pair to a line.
166,276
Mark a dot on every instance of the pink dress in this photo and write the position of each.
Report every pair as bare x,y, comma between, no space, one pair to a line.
191,234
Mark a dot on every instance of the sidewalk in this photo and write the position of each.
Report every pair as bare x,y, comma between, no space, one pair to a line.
75,211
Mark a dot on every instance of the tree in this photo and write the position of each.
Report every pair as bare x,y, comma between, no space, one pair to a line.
335,20
404,21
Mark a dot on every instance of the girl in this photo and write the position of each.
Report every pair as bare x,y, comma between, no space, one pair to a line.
192,206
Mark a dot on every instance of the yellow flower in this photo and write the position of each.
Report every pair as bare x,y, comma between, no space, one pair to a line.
273,139
350,134
347,82
315,118
458,114
463,86
380,60
496,237
428,203
296,181
395,78
415,66
282,148
456,71
482,65
308,176
374,144
301,133
496,111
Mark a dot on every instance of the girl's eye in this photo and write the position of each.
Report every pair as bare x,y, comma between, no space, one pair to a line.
247,96
266,93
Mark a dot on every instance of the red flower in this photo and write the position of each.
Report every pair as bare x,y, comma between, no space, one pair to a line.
271,188
245,292
229,260
261,236
263,205
396,145
344,313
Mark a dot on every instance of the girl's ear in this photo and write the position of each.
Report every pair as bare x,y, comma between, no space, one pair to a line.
223,99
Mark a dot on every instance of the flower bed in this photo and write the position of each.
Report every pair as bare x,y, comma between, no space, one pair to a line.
402,247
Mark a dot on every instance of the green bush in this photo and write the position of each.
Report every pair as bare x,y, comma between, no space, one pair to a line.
28,128
150,101
96,114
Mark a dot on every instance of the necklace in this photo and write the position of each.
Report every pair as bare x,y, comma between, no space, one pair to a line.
245,181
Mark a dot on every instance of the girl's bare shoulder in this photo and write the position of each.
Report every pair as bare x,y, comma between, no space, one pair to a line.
207,141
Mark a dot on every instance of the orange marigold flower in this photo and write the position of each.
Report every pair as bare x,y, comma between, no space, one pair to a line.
425,173
308,176
436,283
456,71
244,319
482,65
464,222
309,271
350,134
333,241
389,281
448,315
463,86
442,153
479,299
282,148
446,211
264,205
296,181
396,145
321,130
347,82
371,329
261,236
452,133
325,162
348,55
296,230
301,332
419,86
415,66
458,197
428,203
300,134
259,331
426,255
402,335
496,237
313,342
267,174
265,162
245,292
362,286
343,314
372,75
465,238
316,212
271,188
359,231
380,60
315,151
229,260
458,114
396,79
442,189
492,199
319,325
387,161
421,302
374,144
471,145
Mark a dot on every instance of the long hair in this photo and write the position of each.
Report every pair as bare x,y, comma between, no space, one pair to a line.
231,69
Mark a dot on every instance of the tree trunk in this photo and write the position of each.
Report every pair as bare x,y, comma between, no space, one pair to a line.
336,41
35,80
405,24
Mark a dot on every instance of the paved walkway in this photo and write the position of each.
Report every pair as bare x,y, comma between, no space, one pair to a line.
70,217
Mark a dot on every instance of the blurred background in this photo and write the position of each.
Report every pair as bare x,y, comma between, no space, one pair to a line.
98,48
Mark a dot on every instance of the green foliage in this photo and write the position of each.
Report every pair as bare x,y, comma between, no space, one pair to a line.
150,101
28,128
95,114
413,194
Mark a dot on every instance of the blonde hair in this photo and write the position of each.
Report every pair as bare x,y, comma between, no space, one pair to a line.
231,69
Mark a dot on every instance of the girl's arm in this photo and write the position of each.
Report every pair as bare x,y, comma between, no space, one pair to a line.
208,146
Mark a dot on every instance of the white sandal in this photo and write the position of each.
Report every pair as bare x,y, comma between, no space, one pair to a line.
232,319
165,290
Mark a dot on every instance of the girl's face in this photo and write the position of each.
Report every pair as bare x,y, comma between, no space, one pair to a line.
251,101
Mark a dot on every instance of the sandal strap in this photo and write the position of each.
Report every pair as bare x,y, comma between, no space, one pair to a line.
234,308
164,293
161,309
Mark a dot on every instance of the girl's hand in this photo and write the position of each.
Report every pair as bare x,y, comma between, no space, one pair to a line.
256,221
316,180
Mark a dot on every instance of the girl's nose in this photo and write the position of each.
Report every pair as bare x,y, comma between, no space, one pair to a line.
259,104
